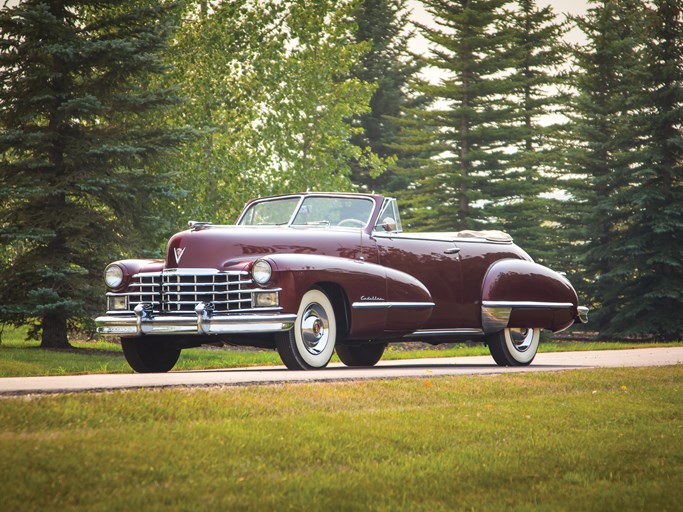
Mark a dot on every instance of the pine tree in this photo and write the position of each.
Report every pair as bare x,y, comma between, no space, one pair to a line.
383,25
604,147
650,293
536,55
464,118
73,149
627,122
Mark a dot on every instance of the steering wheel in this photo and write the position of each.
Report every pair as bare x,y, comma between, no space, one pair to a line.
351,222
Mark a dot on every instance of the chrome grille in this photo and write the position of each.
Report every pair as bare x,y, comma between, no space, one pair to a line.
181,291
146,289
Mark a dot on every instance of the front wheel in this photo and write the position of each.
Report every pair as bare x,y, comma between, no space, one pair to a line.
145,355
514,347
310,344
364,355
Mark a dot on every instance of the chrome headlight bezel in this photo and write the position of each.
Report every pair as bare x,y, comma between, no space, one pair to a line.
261,272
113,276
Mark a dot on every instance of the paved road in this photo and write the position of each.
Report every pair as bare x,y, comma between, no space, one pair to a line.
426,368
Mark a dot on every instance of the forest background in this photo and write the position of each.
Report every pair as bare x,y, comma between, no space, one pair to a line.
121,120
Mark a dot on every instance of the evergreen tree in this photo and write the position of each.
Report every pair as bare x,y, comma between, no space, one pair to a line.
628,116
73,148
464,118
649,293
383,24
536,54
605,149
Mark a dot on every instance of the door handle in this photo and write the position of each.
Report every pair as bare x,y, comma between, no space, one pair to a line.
452,250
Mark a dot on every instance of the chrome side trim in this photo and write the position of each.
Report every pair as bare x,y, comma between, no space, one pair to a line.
387,305
426,333
525,304
434,237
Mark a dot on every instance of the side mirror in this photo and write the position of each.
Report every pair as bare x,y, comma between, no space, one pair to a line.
388,224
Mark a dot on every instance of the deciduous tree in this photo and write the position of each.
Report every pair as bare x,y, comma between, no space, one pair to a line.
270,82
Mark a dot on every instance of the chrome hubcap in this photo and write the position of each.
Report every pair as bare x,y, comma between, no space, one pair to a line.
315,329
521,338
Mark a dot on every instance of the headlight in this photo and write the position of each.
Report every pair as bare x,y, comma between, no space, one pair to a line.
261,272
113,276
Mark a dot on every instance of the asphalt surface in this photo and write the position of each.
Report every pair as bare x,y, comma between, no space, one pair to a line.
424,368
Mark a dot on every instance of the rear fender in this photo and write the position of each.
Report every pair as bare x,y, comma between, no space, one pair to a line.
380,299
518,293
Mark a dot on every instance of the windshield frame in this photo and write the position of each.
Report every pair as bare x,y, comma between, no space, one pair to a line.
258,202
301,199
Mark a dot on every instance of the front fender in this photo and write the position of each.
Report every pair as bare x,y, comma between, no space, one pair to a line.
519,293
135,266
380,299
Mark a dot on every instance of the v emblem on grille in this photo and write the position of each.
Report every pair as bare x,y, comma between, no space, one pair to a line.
178,254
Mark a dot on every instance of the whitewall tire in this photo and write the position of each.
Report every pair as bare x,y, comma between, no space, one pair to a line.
310,344
514,347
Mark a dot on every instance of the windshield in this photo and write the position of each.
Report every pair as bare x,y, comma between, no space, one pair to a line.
334,211
274,212
347,212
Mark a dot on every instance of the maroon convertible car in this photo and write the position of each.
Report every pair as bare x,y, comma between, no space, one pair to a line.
312,273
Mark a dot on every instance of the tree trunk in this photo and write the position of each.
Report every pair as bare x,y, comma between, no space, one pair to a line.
54,332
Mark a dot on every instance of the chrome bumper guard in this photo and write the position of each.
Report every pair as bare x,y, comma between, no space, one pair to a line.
496,314
202,322
582,314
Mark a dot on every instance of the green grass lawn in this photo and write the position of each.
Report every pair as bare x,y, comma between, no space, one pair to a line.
607,439
21,358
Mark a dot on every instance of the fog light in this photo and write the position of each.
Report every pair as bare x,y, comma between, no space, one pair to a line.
117,303
264,300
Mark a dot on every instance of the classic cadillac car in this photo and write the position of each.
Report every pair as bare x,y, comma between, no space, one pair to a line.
311,273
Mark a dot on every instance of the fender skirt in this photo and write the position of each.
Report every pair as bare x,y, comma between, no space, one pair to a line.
519,293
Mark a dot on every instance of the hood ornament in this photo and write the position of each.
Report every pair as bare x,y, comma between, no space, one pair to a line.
178,252
197,225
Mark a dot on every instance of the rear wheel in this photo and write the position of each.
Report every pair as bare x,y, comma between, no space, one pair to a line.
310,344
363,355
150,355
514,347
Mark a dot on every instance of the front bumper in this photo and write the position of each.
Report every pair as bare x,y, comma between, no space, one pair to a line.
201,322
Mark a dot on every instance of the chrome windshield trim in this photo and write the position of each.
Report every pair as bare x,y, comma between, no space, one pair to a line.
302,198
268,200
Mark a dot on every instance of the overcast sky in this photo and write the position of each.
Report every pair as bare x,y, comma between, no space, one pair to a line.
561,7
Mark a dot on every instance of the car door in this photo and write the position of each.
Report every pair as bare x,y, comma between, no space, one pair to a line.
435,262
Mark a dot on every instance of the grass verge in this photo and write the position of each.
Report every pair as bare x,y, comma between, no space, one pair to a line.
21,358
586,440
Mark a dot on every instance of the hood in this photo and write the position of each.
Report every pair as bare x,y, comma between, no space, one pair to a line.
226,248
